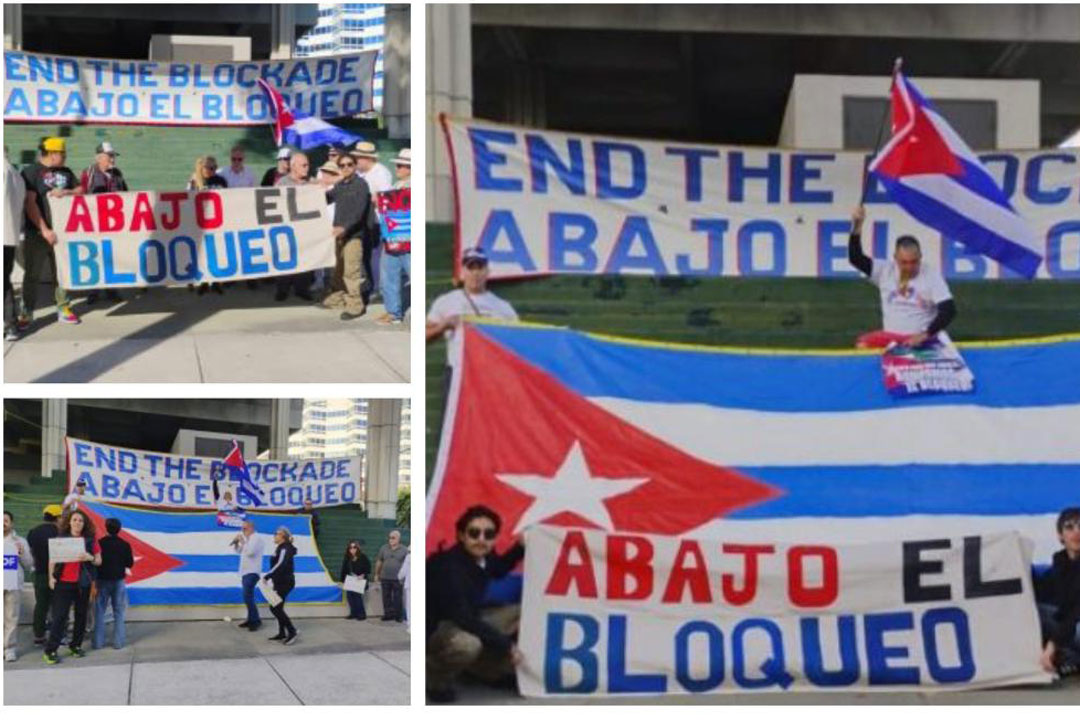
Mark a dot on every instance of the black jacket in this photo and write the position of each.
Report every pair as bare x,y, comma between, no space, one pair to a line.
455,589
360,566
115,558
1061,588
38,539
353,207
282,572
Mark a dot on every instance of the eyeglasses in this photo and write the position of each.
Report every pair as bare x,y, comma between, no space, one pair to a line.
238,159
346,164
475,533
475,265
1071,525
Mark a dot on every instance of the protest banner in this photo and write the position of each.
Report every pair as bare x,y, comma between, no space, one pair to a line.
542,202
161,480
933,367
67,549
62,89
395,219
618,614
139,239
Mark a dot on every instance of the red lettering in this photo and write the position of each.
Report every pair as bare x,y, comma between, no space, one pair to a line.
79,218
566,572
202,219
110,209
697,576
142,217
741,596
621,567
171,222
813,597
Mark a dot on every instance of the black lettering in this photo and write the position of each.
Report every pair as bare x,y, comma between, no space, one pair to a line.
266,205
974,586
294,212
915,567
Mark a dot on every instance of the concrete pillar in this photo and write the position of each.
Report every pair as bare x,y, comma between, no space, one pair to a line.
396,78
279,429
13,29
449,90
383,453
53,432
282,31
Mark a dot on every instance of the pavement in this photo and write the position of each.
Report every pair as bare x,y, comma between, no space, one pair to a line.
334,662
173,335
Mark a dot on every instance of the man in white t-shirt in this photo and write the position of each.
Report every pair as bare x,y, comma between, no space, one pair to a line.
71,501
916,303
472,298
236,174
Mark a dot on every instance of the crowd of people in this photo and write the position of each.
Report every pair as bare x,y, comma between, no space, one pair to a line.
351,178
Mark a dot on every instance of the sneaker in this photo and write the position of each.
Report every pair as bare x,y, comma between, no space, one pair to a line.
1068,669
10,656
388,320
244,624
22,323
66,316
289,640
253,628
351,316
279,636
11,334
51,658
76,652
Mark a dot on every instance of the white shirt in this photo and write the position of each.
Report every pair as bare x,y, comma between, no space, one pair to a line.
13,579
14,196
72,500
457,302
251,554
378,178
242,179
913,310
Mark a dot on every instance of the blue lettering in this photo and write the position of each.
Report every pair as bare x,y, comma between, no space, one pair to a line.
127,105
111,276
560,244
82,255
957,618
542,155
957,261
773,672
155,247
224,75
17,103
1032,187
635,226
178,108
619,680
82,454
133,490
48,103
829,251
289,243
177,494
582,655
1056,253
484,159
1010,170
249,253
692,158
878,653
353,102
41,68
848,673
715,653
211,107
14,62
801,172
110,487
146,74
714,232
745,245
159,106
74,106
212,258
739,173
605,185
499,222
300,75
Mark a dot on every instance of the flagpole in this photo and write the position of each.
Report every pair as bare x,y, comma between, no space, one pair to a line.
881,131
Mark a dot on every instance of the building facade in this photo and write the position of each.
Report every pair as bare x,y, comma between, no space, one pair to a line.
347,28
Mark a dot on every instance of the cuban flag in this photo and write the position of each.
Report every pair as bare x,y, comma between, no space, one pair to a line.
929,171
558,427
186,559
298,129
238,473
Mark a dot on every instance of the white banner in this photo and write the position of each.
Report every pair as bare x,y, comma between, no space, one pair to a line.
162,480
543,202
59,89
617,615
137,239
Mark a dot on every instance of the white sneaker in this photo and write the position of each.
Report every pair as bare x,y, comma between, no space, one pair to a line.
9,655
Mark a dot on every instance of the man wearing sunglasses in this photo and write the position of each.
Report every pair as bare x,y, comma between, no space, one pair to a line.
462,634
354,220
1059,591
236,174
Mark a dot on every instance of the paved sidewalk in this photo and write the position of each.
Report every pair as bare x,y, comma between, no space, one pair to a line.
334,662
173,335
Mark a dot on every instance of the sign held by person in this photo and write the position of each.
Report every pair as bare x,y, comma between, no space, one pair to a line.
151,479
140,239
626,614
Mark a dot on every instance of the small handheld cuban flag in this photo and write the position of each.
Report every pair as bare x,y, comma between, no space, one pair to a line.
238,473
297,128
928,170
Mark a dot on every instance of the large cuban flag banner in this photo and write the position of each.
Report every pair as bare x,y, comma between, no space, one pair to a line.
184,558
552,427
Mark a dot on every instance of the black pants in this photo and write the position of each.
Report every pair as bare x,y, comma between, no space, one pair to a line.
285,626
65,595
9,267
391,597
356,605
370,242
300,282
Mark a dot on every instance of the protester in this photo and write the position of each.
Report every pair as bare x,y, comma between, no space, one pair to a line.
14,202
299,166
282,577
387,565
397,255
17,558
406,586
116,560
205,177
38,539
47,178
328,175
355,564
378,178
251,547
236,175
334,152
1059,595
271,177
72,499
103,177
915,301
461,636
310,511
353,220
473,298
71,583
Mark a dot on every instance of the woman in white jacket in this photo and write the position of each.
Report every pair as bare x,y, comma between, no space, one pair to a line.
17,559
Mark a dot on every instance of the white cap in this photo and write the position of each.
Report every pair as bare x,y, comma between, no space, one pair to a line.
284,153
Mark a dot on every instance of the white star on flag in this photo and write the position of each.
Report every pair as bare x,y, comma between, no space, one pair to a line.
572,489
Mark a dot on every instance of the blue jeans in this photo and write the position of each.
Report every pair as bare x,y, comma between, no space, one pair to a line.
393,268
1049,628
114,592
250,581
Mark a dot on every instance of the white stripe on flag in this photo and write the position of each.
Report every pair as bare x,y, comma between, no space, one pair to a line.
173,580
954,141
946,434
211,543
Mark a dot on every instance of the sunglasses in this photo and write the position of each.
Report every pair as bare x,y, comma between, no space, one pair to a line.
475,265
238,159
1071,525
347,164
475,533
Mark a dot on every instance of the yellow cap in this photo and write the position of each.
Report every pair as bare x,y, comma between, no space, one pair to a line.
54,510
55,144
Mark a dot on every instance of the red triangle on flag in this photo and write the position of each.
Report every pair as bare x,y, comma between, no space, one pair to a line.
149,561
512,418
919,149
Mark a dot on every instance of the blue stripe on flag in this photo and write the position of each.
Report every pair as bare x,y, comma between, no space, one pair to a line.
177,522
868,491
1036,375
231,563
976,179
223,596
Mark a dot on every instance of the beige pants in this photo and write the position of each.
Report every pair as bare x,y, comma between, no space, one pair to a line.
12,601
451,651
347,280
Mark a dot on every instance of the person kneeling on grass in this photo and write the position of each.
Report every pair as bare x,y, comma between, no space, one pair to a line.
462,637
1059,595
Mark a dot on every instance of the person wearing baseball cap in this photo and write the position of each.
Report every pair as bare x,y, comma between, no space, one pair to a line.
71,502
38,540
48,177
270,177
102,176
